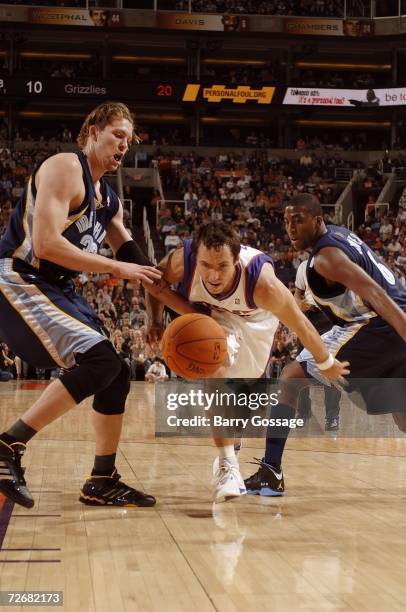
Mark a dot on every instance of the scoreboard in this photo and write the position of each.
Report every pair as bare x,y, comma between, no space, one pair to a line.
48,87
28,87
167,91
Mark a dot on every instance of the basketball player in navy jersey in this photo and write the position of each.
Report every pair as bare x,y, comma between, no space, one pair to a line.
66,212
367,307
239,287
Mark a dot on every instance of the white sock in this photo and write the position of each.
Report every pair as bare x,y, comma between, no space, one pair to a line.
227,452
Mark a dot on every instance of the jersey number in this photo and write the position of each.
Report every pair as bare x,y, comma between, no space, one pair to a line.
89,244
386,273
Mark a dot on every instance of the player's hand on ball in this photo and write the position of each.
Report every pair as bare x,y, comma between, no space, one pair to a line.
136,273
154,332
337,371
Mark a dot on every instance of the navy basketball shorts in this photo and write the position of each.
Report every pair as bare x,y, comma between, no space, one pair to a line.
45,324
377,356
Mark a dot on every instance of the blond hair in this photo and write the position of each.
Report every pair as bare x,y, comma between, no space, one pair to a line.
104,115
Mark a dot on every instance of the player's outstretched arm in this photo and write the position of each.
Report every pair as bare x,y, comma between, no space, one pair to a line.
127,250
160,295
335,266
271,294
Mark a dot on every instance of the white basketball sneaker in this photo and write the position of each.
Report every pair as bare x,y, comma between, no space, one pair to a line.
227,480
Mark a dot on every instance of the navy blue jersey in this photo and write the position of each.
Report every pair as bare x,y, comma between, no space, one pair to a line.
85,227
340,304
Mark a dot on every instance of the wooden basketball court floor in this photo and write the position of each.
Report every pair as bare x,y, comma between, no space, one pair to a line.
336,541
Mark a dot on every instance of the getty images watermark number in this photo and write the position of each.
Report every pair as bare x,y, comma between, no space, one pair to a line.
31,598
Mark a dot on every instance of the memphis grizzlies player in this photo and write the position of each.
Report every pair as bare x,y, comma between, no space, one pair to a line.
367,307
67,210
239,286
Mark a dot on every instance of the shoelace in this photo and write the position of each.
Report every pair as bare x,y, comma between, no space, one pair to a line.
257,461
115,480
262,463
223,471
18,454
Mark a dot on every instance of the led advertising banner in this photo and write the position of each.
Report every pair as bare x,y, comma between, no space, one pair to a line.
355,28
237,95
172,20
200,21
364,98
101,18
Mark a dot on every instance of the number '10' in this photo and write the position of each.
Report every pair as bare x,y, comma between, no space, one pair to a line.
34,87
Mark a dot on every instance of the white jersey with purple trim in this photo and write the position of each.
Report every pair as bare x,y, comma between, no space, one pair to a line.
250,330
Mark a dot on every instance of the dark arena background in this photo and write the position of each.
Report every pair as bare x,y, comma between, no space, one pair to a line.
239,105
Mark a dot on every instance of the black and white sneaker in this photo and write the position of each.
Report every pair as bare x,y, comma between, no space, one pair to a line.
12,481
266,481
111,491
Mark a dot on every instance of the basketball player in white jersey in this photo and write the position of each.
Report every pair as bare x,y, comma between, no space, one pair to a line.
239,286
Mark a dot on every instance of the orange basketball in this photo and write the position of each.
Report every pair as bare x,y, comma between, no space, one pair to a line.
194,346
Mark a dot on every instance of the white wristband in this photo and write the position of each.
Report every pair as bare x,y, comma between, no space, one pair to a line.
328,363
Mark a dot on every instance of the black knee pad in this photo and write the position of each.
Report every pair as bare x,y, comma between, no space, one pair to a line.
111,400
96,370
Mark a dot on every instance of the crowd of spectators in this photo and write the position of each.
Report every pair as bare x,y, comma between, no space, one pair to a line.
251,178
303,8
48,136
345,140
60,70
210,135
385,234
164,136
61,3
40,140
156,71
311,8
270,73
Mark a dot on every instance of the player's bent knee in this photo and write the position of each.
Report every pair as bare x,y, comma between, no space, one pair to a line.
96,370
292,370
291,382
111,400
